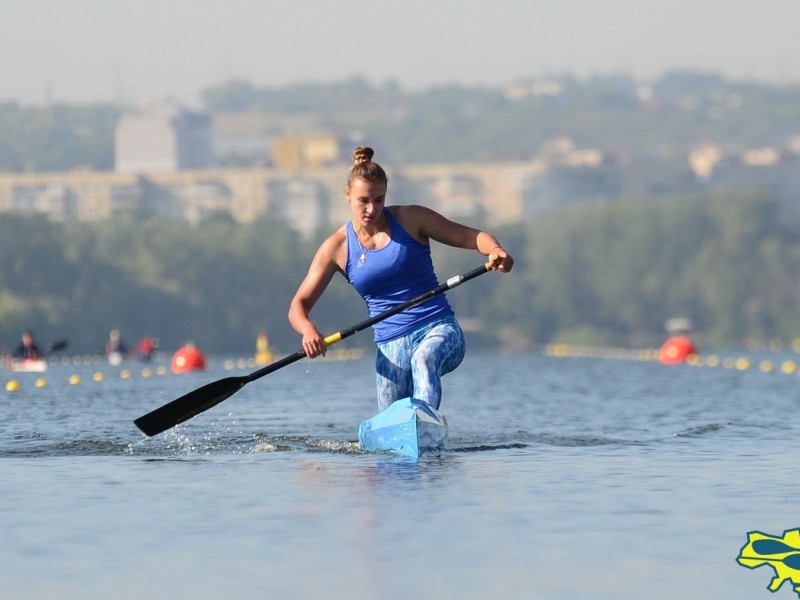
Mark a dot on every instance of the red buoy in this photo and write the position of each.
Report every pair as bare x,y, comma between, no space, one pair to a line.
676,350
188,358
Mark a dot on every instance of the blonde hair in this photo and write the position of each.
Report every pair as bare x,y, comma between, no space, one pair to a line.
364,168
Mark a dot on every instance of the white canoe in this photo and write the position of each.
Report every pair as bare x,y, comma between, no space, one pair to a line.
28,365
408,427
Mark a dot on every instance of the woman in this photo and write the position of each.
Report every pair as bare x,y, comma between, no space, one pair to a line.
384,253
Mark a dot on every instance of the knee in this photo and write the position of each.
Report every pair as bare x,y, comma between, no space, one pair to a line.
453,359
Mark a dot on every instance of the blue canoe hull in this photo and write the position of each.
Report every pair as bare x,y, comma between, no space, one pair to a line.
408,427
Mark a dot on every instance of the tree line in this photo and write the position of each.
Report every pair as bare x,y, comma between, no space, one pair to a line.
592,274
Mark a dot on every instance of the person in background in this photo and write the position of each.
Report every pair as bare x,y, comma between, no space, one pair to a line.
145,348
115,343
384,253
27,347
115,347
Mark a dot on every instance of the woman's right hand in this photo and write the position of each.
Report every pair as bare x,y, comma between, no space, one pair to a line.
314,343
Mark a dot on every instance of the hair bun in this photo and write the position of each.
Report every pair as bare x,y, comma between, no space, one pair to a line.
363,154
364,168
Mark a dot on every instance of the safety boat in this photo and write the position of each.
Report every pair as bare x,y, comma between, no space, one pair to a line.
408,427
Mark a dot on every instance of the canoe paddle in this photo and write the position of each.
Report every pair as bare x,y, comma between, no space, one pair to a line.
208,396
56,347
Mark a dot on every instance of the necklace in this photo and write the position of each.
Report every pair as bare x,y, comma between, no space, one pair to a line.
363,256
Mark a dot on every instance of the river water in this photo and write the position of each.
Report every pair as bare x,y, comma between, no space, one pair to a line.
564,478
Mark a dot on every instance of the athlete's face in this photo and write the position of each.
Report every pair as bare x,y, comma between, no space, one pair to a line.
366,199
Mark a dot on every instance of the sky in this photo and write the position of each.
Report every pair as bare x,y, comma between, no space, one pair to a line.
81,51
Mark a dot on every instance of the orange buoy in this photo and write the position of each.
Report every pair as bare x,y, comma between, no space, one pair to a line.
188,358
676,350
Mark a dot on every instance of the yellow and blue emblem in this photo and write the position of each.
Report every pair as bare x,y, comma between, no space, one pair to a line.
780,553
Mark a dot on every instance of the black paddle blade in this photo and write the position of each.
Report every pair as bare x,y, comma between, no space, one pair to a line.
56,347
186,407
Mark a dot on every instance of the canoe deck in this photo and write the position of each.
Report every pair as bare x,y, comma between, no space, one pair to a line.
408,427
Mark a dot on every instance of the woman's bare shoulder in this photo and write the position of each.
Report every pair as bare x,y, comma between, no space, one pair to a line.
337,238
411,215
332,250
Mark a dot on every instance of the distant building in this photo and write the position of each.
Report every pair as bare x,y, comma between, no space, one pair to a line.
54,200
768,170
162,138
458,196
565,184
242,136
303,204
704,158
293,151
305,197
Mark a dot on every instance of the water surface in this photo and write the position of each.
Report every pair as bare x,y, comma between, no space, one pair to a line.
564,478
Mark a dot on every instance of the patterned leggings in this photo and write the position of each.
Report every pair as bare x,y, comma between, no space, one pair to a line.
412,366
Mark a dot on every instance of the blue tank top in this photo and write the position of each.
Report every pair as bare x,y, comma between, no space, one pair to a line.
391,275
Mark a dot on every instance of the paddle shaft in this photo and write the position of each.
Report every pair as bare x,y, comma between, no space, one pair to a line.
346,333
211,394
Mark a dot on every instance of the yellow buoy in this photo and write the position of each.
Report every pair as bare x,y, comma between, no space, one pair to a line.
12,385
41,382
146,372
74,379
99,376
125,374
789,367
694,360
263,352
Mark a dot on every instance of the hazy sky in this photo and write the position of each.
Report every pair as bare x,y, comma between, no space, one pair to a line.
125,50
